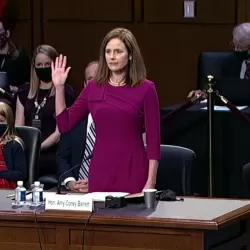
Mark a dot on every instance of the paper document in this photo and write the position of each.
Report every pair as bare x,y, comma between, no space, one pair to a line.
100,196
45,194
225,108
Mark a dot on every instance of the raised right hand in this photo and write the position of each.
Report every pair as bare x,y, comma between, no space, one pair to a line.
59,72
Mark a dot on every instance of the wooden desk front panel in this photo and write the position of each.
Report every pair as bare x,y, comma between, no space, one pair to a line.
24,235
121,238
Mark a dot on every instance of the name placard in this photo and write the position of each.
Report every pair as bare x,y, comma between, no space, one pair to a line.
68,202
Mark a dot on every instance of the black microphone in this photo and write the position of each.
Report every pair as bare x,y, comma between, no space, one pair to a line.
77,165
9,96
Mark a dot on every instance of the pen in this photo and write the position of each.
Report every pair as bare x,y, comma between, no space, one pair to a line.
13,195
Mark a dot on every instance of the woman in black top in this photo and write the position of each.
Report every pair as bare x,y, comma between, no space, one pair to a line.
36,106
13,59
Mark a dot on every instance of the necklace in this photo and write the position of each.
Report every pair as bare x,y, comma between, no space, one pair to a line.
117,83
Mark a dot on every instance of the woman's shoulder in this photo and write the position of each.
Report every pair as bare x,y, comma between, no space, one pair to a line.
23,89
23,92
147,83
93,84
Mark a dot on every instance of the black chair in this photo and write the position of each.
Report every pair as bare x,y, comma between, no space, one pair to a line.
32,140
209,63
175,170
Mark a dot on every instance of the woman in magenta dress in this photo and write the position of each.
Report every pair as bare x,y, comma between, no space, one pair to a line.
123,103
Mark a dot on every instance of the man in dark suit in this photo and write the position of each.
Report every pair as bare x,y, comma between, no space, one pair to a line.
75,146
236,65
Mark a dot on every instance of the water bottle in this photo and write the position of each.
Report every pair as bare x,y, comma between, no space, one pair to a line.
37,193
20,194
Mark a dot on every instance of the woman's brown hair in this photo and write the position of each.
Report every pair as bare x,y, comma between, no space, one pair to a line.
10,132
136,71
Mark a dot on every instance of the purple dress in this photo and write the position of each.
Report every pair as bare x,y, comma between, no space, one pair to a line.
120,161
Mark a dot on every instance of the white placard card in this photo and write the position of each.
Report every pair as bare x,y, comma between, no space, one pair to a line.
68,202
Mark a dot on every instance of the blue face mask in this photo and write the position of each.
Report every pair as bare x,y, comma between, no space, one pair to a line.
242,55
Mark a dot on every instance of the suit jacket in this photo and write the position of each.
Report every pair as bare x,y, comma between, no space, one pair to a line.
16,162
71,149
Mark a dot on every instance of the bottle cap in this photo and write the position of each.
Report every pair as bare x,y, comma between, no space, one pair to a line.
20,183
37,183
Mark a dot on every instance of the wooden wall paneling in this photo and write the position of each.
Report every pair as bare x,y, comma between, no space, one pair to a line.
169,43
248,10
242,10
174,43
37,24
94,10
79,36
172,55
22,19
208,11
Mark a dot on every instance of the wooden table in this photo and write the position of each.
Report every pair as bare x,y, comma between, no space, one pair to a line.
194,224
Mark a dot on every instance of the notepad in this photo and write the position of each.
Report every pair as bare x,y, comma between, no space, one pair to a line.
100,196
225,108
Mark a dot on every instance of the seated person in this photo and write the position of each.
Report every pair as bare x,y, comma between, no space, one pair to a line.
73,149
236,65
13,165
13,59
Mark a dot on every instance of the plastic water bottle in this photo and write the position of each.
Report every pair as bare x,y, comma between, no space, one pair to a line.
37,193
20,194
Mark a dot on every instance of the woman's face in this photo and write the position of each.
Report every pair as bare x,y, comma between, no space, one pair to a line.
42,61
116,55
2,120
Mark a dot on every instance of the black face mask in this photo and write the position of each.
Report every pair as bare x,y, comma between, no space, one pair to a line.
242,55
44,74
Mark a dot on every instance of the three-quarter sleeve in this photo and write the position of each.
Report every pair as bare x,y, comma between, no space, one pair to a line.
152,122
72,116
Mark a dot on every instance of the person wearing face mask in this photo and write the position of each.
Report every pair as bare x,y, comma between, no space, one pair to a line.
13,59
237,65
35,106
12,169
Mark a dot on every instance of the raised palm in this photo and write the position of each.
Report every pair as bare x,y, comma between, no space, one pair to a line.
59,71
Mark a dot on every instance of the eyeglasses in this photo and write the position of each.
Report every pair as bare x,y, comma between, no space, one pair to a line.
239,47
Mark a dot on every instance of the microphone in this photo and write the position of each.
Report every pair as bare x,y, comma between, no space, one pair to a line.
9,96
59,186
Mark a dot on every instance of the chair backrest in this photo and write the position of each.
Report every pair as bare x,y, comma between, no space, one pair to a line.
32,141
209,63
175,169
